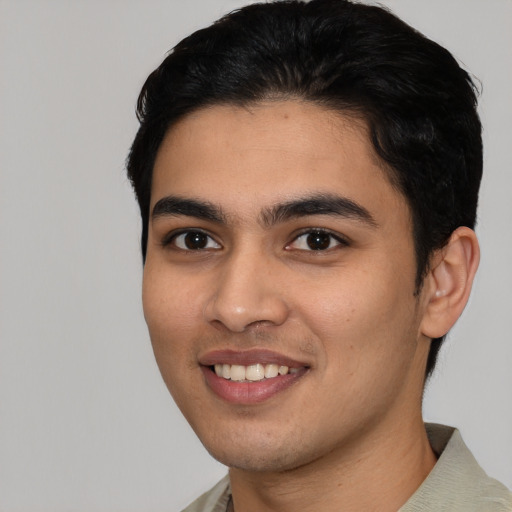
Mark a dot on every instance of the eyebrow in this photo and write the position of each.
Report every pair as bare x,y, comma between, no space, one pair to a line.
318,204
176,206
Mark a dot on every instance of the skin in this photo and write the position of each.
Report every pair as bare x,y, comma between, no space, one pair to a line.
348,434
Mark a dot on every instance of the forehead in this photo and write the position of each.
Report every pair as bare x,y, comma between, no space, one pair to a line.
250,157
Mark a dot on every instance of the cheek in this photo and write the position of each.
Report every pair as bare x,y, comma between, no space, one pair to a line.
365,314
172,314
168,298
365,330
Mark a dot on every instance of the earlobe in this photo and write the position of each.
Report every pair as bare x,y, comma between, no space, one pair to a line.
449,282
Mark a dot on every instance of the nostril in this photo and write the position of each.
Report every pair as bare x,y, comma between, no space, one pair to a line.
265,311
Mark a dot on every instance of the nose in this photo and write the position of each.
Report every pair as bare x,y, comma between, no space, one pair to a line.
247,292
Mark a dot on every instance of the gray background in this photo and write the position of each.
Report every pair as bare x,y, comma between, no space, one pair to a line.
85,421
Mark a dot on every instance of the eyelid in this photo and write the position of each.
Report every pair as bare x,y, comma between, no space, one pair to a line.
170,237
341,239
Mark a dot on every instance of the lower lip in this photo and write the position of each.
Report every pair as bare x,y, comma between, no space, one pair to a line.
249,392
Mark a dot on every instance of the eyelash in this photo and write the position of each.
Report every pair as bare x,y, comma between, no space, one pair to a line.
340,241
171,238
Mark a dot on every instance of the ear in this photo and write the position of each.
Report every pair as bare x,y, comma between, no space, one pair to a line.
448,283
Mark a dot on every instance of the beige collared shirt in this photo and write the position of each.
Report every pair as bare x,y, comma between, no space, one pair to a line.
456,483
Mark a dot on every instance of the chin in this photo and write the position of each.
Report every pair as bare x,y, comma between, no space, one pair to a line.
255,462
257,455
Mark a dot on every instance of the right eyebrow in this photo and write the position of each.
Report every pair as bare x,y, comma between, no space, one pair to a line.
177,206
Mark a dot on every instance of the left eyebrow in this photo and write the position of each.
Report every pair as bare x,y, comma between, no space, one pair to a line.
319,204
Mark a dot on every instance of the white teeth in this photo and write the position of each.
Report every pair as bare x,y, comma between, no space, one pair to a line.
253,372
237,372
271,370
226,371
283,370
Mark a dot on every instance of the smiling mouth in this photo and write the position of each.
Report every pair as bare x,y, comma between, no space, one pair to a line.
252,373
251,376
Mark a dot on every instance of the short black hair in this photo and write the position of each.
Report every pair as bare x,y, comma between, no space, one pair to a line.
418,103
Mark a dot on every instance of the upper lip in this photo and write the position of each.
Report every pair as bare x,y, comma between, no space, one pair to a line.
249,357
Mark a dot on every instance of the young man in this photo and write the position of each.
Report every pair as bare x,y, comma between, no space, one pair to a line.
308,177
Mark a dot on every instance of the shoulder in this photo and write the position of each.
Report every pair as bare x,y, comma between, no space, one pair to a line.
457,482
215,500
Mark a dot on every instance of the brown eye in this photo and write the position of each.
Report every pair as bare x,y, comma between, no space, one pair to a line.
317,240
195,241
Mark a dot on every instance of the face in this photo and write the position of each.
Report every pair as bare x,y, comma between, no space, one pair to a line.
279,285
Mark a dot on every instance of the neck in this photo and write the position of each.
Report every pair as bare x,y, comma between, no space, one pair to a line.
381,474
